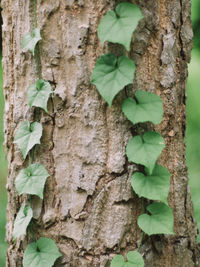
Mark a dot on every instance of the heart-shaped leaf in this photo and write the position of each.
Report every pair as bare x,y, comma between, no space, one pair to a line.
22,221
110,75
118,27
32,180
160,222
134,260
42,253
30,40
117,261
145,149
27,136
147,108
38,94
154,186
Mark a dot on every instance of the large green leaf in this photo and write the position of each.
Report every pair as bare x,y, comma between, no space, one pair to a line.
145,149
160,222
154,186
117,261
32,180
147,108
42,253
30,40
27,136
110,75
118,27
134,259
22,221
38,94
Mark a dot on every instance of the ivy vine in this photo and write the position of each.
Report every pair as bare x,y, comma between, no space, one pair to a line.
31,181
110,75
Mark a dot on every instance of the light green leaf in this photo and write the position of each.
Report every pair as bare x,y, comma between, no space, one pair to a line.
42,253
148,108
38,94
118,27
117,261
22,221
30,40
134,259
32,180
27,136
160,222
110,75
154,186
145,149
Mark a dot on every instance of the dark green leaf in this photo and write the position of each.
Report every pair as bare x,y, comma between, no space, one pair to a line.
42,253
30,40
32,180
154,186
27,136
38,94
118,27
22,221
110,75
148,108
145,149
160,222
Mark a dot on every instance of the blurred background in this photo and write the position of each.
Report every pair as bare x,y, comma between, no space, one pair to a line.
192,134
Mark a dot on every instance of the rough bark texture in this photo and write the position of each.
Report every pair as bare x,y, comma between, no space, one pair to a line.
89,208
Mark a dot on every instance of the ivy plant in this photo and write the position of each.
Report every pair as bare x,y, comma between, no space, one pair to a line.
22,221
110,75
42,253
31,180
118,27
27,136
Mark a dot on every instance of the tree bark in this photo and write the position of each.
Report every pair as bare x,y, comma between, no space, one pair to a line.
89,208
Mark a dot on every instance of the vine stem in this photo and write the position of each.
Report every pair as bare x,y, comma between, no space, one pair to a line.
142,237
36,51
35,13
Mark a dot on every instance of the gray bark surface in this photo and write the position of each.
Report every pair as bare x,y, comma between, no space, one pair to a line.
89,208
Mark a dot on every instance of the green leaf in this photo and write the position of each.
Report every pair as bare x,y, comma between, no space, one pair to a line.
145,149
134,259
118,27
38,94
154,186
22,221
27,136
30,40
147,108
32,180
42,253
110,75
117,261
160,222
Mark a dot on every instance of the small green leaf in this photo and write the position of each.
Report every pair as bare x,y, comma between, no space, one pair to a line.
148,108
117,261
30,40
134,259
145,149
22,221
32,180
154,186
38,94
27,136
110,75
42,253
160,222
118,27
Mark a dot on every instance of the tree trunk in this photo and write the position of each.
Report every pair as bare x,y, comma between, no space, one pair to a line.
89,208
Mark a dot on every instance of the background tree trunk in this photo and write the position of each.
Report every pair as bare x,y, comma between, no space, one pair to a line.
89,208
